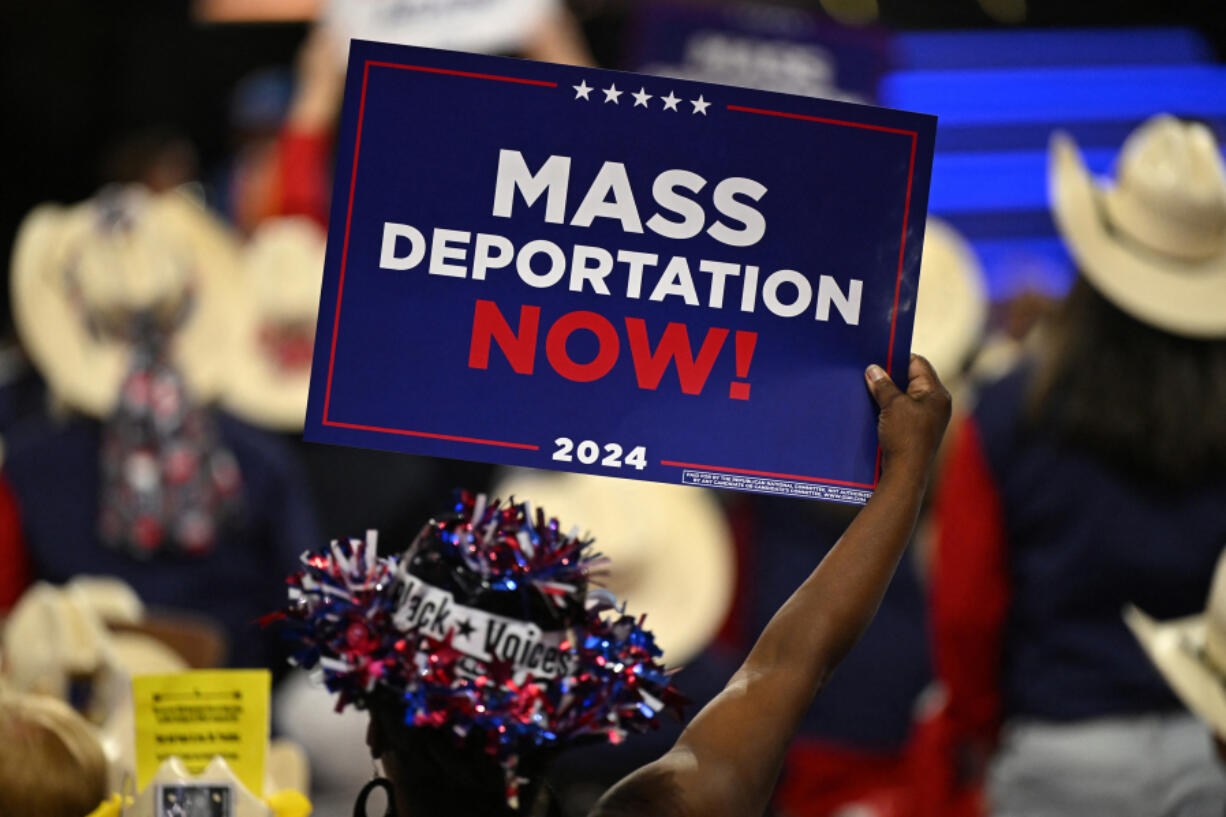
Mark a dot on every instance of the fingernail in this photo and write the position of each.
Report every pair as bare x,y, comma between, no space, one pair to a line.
874,373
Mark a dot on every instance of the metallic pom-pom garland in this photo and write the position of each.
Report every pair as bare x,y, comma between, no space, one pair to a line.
344,600
509,547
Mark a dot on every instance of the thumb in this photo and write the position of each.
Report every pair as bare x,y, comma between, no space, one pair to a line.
879,383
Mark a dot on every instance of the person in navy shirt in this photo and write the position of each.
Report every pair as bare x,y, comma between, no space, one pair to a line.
52,467
1092,477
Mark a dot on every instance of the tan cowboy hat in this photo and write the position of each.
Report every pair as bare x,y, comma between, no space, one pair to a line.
1153,242
951,310
52,635
670,548
88,627
282,269
1191,652
79,272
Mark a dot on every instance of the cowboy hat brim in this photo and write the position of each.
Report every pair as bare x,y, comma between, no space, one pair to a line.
83,370
1171,645
51,332
951,309
282,273
255,389
1184,298
264,397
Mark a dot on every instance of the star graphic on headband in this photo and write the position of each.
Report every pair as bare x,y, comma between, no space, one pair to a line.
582,90
466,628
641,97
611,93
500,671
700,105
442,659
670,101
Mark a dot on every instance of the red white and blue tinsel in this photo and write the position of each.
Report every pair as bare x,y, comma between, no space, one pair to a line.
509,560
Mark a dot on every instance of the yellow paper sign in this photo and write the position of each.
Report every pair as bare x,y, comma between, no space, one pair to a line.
198,715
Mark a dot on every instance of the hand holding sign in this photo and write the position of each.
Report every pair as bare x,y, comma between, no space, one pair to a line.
911,423
531,265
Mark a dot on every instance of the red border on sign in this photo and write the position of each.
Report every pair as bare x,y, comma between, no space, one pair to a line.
902,245
477,440
340,288
528,446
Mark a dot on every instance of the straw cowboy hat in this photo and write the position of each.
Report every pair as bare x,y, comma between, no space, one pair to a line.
52,635
1191,652
89,627
671,549
80,273
282,269
951,310
1154,241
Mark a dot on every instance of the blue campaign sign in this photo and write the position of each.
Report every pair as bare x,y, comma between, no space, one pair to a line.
615,274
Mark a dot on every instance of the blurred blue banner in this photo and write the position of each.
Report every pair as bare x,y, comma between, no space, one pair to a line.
998,96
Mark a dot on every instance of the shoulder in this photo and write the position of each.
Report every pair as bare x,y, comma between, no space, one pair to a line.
266,459
38,441
999,414
247,439
999,403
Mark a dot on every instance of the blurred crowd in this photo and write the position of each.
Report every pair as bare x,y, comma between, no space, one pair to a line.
1050,646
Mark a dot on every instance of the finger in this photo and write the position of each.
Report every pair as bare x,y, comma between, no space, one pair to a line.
880,384
922,378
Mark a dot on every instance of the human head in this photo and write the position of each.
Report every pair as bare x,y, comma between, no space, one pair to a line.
1135,365
51,763
1144,399
85,277
434,774
479,651
951,310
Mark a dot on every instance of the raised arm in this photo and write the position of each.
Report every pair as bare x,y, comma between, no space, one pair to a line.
727,760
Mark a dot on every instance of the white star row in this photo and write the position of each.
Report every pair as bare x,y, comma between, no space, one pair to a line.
612,94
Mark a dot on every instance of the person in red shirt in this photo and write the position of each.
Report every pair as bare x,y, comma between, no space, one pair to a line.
14,562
